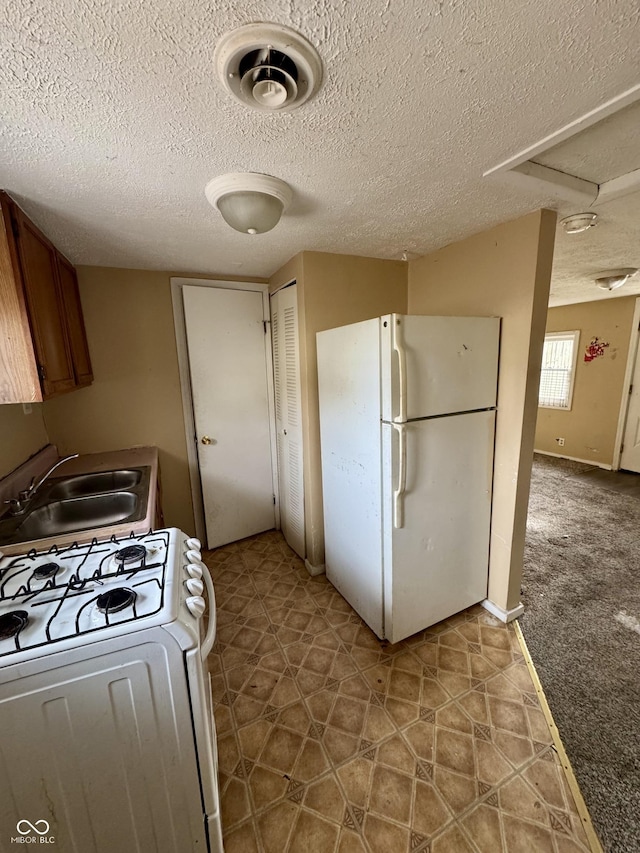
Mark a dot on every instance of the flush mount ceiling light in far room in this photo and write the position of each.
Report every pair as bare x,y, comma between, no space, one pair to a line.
613,279
249,202
268,67
579,222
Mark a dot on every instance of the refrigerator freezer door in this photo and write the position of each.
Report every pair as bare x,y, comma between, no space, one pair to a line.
349,393
437,365
436,563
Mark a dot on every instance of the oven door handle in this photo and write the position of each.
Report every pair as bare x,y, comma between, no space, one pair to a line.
207,643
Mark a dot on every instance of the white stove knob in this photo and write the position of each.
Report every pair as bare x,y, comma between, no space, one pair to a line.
194,543
195,586
194,556
193,570
196,605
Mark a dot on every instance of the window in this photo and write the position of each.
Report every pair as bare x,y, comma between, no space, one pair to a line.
558,370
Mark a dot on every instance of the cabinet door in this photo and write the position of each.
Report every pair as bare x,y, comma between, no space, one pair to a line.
40,275
75,321
19,382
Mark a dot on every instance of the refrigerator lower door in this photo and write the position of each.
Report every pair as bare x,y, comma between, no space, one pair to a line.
436,532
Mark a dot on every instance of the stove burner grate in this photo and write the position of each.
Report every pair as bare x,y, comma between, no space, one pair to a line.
130,554
12,623
46,570
115,600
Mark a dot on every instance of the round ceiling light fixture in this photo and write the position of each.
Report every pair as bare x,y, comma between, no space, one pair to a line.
613,279
268,67
249,202
579,222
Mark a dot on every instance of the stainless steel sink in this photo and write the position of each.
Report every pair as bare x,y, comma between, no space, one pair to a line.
93,484
81,502
64,516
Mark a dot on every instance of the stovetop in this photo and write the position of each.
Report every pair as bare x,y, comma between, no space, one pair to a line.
110,586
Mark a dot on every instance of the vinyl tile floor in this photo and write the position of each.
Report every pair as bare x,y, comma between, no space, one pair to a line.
332,741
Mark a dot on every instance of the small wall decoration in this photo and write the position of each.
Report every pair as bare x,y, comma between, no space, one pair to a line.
595,349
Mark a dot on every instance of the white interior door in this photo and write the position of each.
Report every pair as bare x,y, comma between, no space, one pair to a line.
286,374
226,342
630,456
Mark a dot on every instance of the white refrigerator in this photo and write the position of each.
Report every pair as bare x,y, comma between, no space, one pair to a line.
407,422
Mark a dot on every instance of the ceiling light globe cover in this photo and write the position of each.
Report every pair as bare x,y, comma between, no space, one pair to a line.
613,279
579,222
249,202
250,212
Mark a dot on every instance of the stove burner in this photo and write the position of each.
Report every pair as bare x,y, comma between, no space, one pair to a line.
46,570
130,554
12,623
115,600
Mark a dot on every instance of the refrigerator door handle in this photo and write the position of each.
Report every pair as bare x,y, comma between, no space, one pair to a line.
402,370
398,506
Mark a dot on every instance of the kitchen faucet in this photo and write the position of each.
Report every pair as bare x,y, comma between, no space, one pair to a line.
19,505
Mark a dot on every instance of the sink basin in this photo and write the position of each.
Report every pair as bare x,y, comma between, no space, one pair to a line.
81,502
81,513
92,484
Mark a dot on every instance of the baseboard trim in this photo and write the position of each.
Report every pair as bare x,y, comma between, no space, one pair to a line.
314,570
575,459
503,615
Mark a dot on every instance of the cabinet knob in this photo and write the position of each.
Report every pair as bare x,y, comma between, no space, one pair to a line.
206,440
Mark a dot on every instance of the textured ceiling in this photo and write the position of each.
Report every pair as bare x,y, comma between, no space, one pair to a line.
612,244
607,150
112,121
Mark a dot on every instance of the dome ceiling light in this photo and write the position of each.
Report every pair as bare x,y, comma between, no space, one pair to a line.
268,67
249,202
612,279
579,222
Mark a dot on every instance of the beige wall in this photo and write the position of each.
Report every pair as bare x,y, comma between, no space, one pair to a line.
333,290
589,427
291,271
20,435
135,397
503,272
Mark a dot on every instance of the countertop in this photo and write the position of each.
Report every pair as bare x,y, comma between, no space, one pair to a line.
134,457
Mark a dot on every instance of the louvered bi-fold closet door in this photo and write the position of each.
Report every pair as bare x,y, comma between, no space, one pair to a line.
286,368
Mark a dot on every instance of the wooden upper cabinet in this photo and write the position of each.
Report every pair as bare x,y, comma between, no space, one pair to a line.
75,322
43,350
19,382
44,298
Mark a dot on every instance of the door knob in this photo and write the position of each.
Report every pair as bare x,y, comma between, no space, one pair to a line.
206,440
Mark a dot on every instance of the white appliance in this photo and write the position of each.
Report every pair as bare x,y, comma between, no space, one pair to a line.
107,737
407,420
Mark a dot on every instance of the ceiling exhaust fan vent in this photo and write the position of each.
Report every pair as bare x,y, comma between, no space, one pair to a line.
268,67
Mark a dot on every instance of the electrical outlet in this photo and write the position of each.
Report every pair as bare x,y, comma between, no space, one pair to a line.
560,441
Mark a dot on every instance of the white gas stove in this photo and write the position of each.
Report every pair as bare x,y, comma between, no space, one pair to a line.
83,593
103,665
